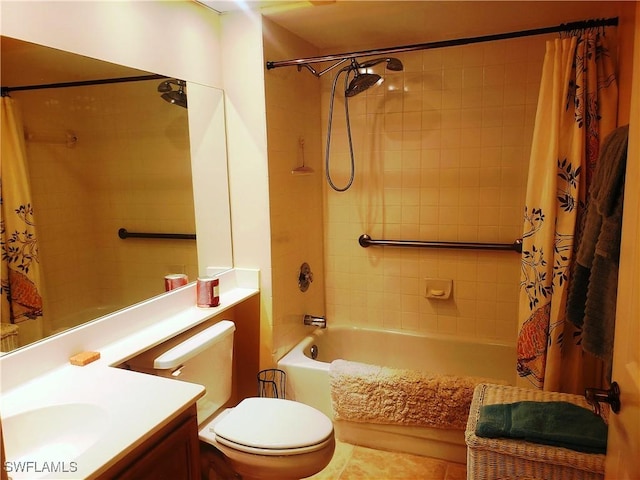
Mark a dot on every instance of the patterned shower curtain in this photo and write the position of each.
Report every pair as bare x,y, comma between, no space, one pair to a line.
19,269
577,108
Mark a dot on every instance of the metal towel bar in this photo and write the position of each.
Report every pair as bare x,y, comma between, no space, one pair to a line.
123,233
366,241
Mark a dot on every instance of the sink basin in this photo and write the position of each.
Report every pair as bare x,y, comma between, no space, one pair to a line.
53,433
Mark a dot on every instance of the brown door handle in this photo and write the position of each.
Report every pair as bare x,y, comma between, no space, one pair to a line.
596,395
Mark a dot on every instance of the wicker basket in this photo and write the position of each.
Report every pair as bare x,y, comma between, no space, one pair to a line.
8,337
502,458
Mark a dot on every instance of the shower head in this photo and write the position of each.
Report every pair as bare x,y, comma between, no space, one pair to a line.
176,97
361,82
363,79
165,86
393,63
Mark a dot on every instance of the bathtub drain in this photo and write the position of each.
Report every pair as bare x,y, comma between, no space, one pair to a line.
314,352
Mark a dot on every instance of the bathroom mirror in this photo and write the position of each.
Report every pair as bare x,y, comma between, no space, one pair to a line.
109,157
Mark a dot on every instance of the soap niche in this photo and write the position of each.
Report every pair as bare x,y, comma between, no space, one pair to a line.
438,288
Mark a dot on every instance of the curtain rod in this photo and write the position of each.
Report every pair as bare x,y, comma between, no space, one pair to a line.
6,90
564,27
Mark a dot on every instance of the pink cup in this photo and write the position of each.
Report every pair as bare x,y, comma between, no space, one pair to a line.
175,280
207,292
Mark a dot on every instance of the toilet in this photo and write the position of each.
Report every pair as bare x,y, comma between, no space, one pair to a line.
260,438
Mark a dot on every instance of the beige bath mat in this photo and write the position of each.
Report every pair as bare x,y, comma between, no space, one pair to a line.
374,394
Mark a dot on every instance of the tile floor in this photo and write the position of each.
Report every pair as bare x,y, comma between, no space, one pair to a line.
351,462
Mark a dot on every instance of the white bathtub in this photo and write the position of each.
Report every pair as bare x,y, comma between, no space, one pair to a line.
308,379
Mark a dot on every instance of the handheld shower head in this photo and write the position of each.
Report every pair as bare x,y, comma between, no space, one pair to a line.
393,63
165,86
361,81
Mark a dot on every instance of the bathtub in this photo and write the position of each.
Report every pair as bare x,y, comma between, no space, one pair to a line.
308,379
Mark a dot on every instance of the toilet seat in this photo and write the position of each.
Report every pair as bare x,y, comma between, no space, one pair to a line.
270,426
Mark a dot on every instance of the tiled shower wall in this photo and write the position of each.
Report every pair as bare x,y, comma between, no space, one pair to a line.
295,193
129,168
441,153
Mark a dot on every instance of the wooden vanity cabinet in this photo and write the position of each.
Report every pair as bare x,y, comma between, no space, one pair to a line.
171,453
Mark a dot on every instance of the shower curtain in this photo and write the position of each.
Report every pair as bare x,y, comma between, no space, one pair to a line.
577,108
20,283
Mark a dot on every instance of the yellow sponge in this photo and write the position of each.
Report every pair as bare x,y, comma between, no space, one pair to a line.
84,358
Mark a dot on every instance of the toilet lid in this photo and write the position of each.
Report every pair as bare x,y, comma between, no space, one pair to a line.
271,426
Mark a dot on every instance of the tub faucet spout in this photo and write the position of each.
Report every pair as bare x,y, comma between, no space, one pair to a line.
315,321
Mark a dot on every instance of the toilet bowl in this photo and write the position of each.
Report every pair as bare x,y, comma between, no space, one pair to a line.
260,438
272,438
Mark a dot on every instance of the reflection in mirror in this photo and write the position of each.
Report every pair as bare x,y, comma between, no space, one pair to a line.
100,158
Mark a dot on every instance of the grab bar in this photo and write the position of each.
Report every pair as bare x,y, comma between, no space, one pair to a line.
123,233
366,241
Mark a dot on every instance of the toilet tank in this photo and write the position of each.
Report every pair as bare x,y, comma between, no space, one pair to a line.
205,358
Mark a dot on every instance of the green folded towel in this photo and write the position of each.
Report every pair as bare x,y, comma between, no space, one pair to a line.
561,424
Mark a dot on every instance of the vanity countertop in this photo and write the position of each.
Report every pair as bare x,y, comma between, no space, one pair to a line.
125,408
131,406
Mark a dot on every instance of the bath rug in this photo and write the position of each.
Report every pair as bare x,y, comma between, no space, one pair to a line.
373,394
561,424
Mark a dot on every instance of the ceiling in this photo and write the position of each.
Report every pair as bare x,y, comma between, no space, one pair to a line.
24,63
335,26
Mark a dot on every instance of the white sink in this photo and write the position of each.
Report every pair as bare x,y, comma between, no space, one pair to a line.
53,433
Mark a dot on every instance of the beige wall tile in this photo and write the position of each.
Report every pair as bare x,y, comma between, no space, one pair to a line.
131,168
452,167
